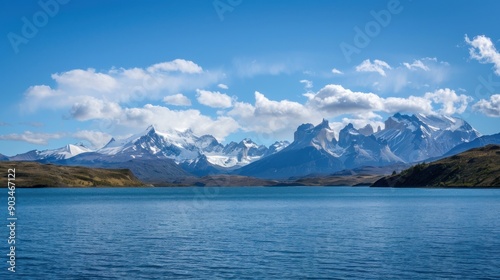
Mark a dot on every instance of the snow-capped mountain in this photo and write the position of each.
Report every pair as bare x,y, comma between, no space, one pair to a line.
277,146
185,148
419,137
359,149
316,150
321,137
152,144
65,152
237,154
182,147
157,155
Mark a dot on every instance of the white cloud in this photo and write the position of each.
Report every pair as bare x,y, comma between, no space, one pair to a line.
177,65
88,108
412,104
307,84
279,118
213,99
378,66
178,99
119,85
360,108
86,80
32,137
489,107
337,100
420,74
451,102
96,138
483,50
337,71
222,86
417,64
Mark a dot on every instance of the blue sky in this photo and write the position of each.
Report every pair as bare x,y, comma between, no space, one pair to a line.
83,71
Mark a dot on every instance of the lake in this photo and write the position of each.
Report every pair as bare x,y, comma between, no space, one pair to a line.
255,233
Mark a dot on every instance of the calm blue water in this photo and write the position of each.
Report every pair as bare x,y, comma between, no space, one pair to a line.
255,233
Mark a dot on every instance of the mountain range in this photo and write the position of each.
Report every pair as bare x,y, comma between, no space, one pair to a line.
166,156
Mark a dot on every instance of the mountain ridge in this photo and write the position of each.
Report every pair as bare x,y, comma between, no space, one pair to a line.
315,149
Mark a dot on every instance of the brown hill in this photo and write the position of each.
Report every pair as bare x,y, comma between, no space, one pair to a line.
33,174
478,167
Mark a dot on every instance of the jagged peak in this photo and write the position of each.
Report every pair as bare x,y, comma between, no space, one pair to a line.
151,129
305,126
366,130
112,140
324,124
397,116
349,126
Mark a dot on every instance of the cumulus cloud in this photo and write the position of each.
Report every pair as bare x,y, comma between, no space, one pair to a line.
483,50
280,118
222,86
96,138
32,137
119,84
412,104
417,64
378,66
177,65
338,100
337,71
213,99
88,108
451,102
307,84
489,107
86,80
178,99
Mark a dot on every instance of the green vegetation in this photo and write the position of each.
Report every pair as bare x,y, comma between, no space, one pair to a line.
34,174
474,168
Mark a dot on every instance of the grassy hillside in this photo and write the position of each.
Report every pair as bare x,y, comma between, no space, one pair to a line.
478,167
33,174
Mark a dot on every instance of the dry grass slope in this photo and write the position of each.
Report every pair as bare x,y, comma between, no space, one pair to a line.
478,167
33,174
